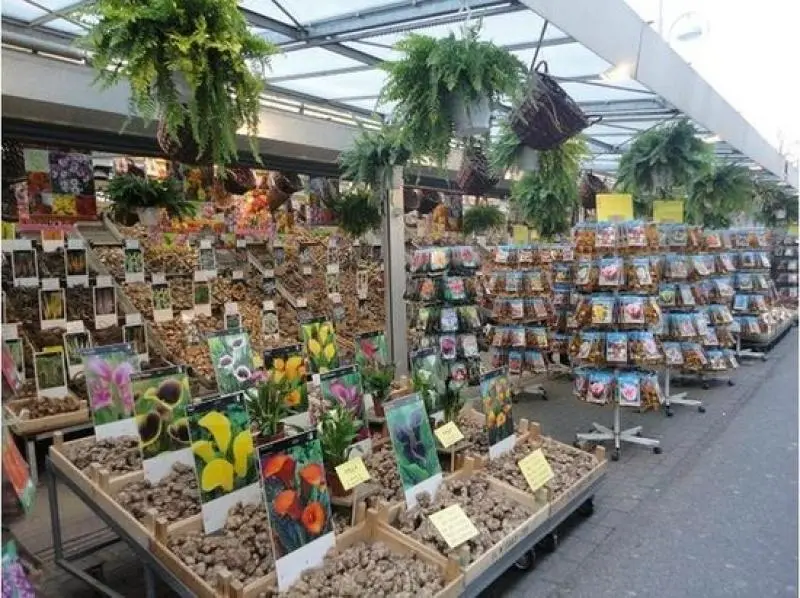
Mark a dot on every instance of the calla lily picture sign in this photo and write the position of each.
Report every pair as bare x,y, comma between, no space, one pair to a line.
232,359
344,386
108,371
288,363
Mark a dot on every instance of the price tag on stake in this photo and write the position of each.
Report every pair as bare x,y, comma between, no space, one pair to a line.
134,319
352,473
158,278
536,470
307,271
448,434
454,525
103,281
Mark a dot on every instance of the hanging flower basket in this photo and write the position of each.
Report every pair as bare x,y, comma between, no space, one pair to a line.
239,180
475,177
471,117
591,185
547,116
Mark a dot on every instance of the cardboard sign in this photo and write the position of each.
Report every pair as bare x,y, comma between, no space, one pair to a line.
454,525
614,207
352,473
520,234
448,434
105,305
668,211
536,470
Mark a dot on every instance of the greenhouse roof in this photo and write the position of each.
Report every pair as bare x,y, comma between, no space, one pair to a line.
330,64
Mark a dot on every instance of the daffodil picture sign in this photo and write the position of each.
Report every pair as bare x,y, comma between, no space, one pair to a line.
496,399
319,344
108,371
161,397
232,358
344,386
288,363
224,457
298,504
414,447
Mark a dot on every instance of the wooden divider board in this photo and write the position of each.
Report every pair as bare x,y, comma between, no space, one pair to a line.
29,427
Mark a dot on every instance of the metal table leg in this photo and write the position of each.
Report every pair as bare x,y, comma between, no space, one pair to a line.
30,453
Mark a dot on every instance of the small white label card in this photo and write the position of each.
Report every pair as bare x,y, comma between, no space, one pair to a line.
237,275
454,525
307,271
133,319
134,261
241,243
51,373
105,303
207,259
302,303
76,263
158,278
536,470
201,292
24,265
162,301
76,339
52,305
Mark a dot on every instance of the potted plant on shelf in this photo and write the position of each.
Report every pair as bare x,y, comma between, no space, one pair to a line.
266,405
357,211
192,65
378,379
448,86
338,428
134,196
482,217
452,401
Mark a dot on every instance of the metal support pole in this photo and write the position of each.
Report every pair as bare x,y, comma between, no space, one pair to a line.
394,259
55,521
678,399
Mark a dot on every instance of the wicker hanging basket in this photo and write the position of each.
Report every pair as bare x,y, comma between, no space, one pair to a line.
13,161
475,177
280,187
239,180
591,185
182,147
547,116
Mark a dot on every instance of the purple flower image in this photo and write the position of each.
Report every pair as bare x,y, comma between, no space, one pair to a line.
71,174
343,386
108,380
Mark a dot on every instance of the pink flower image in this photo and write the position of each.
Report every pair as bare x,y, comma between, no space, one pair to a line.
369,349
346,395
101,369
122,374
101,397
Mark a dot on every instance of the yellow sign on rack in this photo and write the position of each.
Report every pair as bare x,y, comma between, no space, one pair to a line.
53,349
352,473
9,230
536,470
792,230
521,234
448,434
668,211
454,525
614,207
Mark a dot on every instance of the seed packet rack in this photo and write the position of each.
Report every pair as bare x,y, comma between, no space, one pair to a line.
785,269
615,312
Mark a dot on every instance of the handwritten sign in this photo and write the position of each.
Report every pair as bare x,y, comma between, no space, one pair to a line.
668,211
448,434
536,470
352,473
454,525
614,207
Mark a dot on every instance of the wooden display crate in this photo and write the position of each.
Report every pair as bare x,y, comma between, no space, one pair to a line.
29,427
539,514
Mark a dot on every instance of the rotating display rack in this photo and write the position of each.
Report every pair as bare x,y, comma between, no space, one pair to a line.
785,270
754,292
562,324
441,297
616,309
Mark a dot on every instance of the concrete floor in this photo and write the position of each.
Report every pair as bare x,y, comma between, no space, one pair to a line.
714,515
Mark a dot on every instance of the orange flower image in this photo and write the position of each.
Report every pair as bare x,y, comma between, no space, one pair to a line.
287,503
313,518
279,466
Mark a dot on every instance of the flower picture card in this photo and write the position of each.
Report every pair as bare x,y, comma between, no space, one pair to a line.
104,295
224,457
319,344
287,363
298,504
371,348
232,358
414,447
108,370
134,261
135,332
161,397
343,386
24,265
52,305
76,340
76,263
162,300
496,399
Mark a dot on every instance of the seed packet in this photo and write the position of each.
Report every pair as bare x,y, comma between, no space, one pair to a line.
635,234
502,255
610,272
465,257
497,356
580,385
605,235
652,312
537,337
591,348
424,319
712,239
672,353
469,317
652,354
454,288
617,347
439,258
700,323
536,361
758,303
583,237
602,310
448,319
448,346
469,345
744,281
501,309
561,296
686,296
760,282
639,275
724,336
730,358
516,309
723,287
720,315
763,258
427,289
667,297
740,303
600,387
513,282
710,338
458,372
726,263
525,256
676,268
676,235
562,273
628,389
539,308
694,358
515,362
420,261
747,260
557,342
631,309
518,337
716,360
683,326
500,336
535,280
583,310
583,274
650,389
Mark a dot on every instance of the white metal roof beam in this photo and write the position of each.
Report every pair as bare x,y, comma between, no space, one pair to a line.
662,70
56,14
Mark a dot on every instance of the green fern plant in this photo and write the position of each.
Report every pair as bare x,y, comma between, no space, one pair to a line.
718,194
358,211
505,150
769,198
129,192
548,197
372,156
433,72
481,218
186,62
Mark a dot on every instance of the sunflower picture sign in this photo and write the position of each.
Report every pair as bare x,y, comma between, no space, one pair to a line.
160,398
288,363
414,447
319,344
232,358
298,504
224,457
496,400
343,386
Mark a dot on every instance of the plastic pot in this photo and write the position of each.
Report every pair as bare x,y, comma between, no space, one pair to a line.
149,216
335,484
471,117
528,159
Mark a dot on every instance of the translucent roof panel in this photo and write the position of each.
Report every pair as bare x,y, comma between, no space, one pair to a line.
19,9
311,60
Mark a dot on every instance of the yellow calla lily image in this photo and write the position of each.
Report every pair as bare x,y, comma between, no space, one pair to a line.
319,340
217,474
288,364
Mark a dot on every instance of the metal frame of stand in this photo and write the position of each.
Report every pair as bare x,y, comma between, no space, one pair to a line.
631,435
678,399
747,353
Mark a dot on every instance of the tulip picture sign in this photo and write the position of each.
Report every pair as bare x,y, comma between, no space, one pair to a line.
298,504
288,363
161,397
371,348
232,359
224,457
108,371
496,400
343,386
319,344
414,447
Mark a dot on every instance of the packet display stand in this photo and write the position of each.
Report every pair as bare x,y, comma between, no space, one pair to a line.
603,250
785,271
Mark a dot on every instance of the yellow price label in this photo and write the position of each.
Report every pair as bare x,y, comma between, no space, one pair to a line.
9,230
536,470
352,473
448,434
668,211
614,207
53,349
521,234
454,525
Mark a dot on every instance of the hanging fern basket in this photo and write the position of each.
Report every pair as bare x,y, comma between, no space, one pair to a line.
591,185
528,159
239,180
471,117
475,177
280,187
547,116
181,147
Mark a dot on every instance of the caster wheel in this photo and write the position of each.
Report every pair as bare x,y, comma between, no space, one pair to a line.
669,412
550,542
639,434
587,508
615,455
731,383
656,450
525,562
764,358
544,396
706,386
701,409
